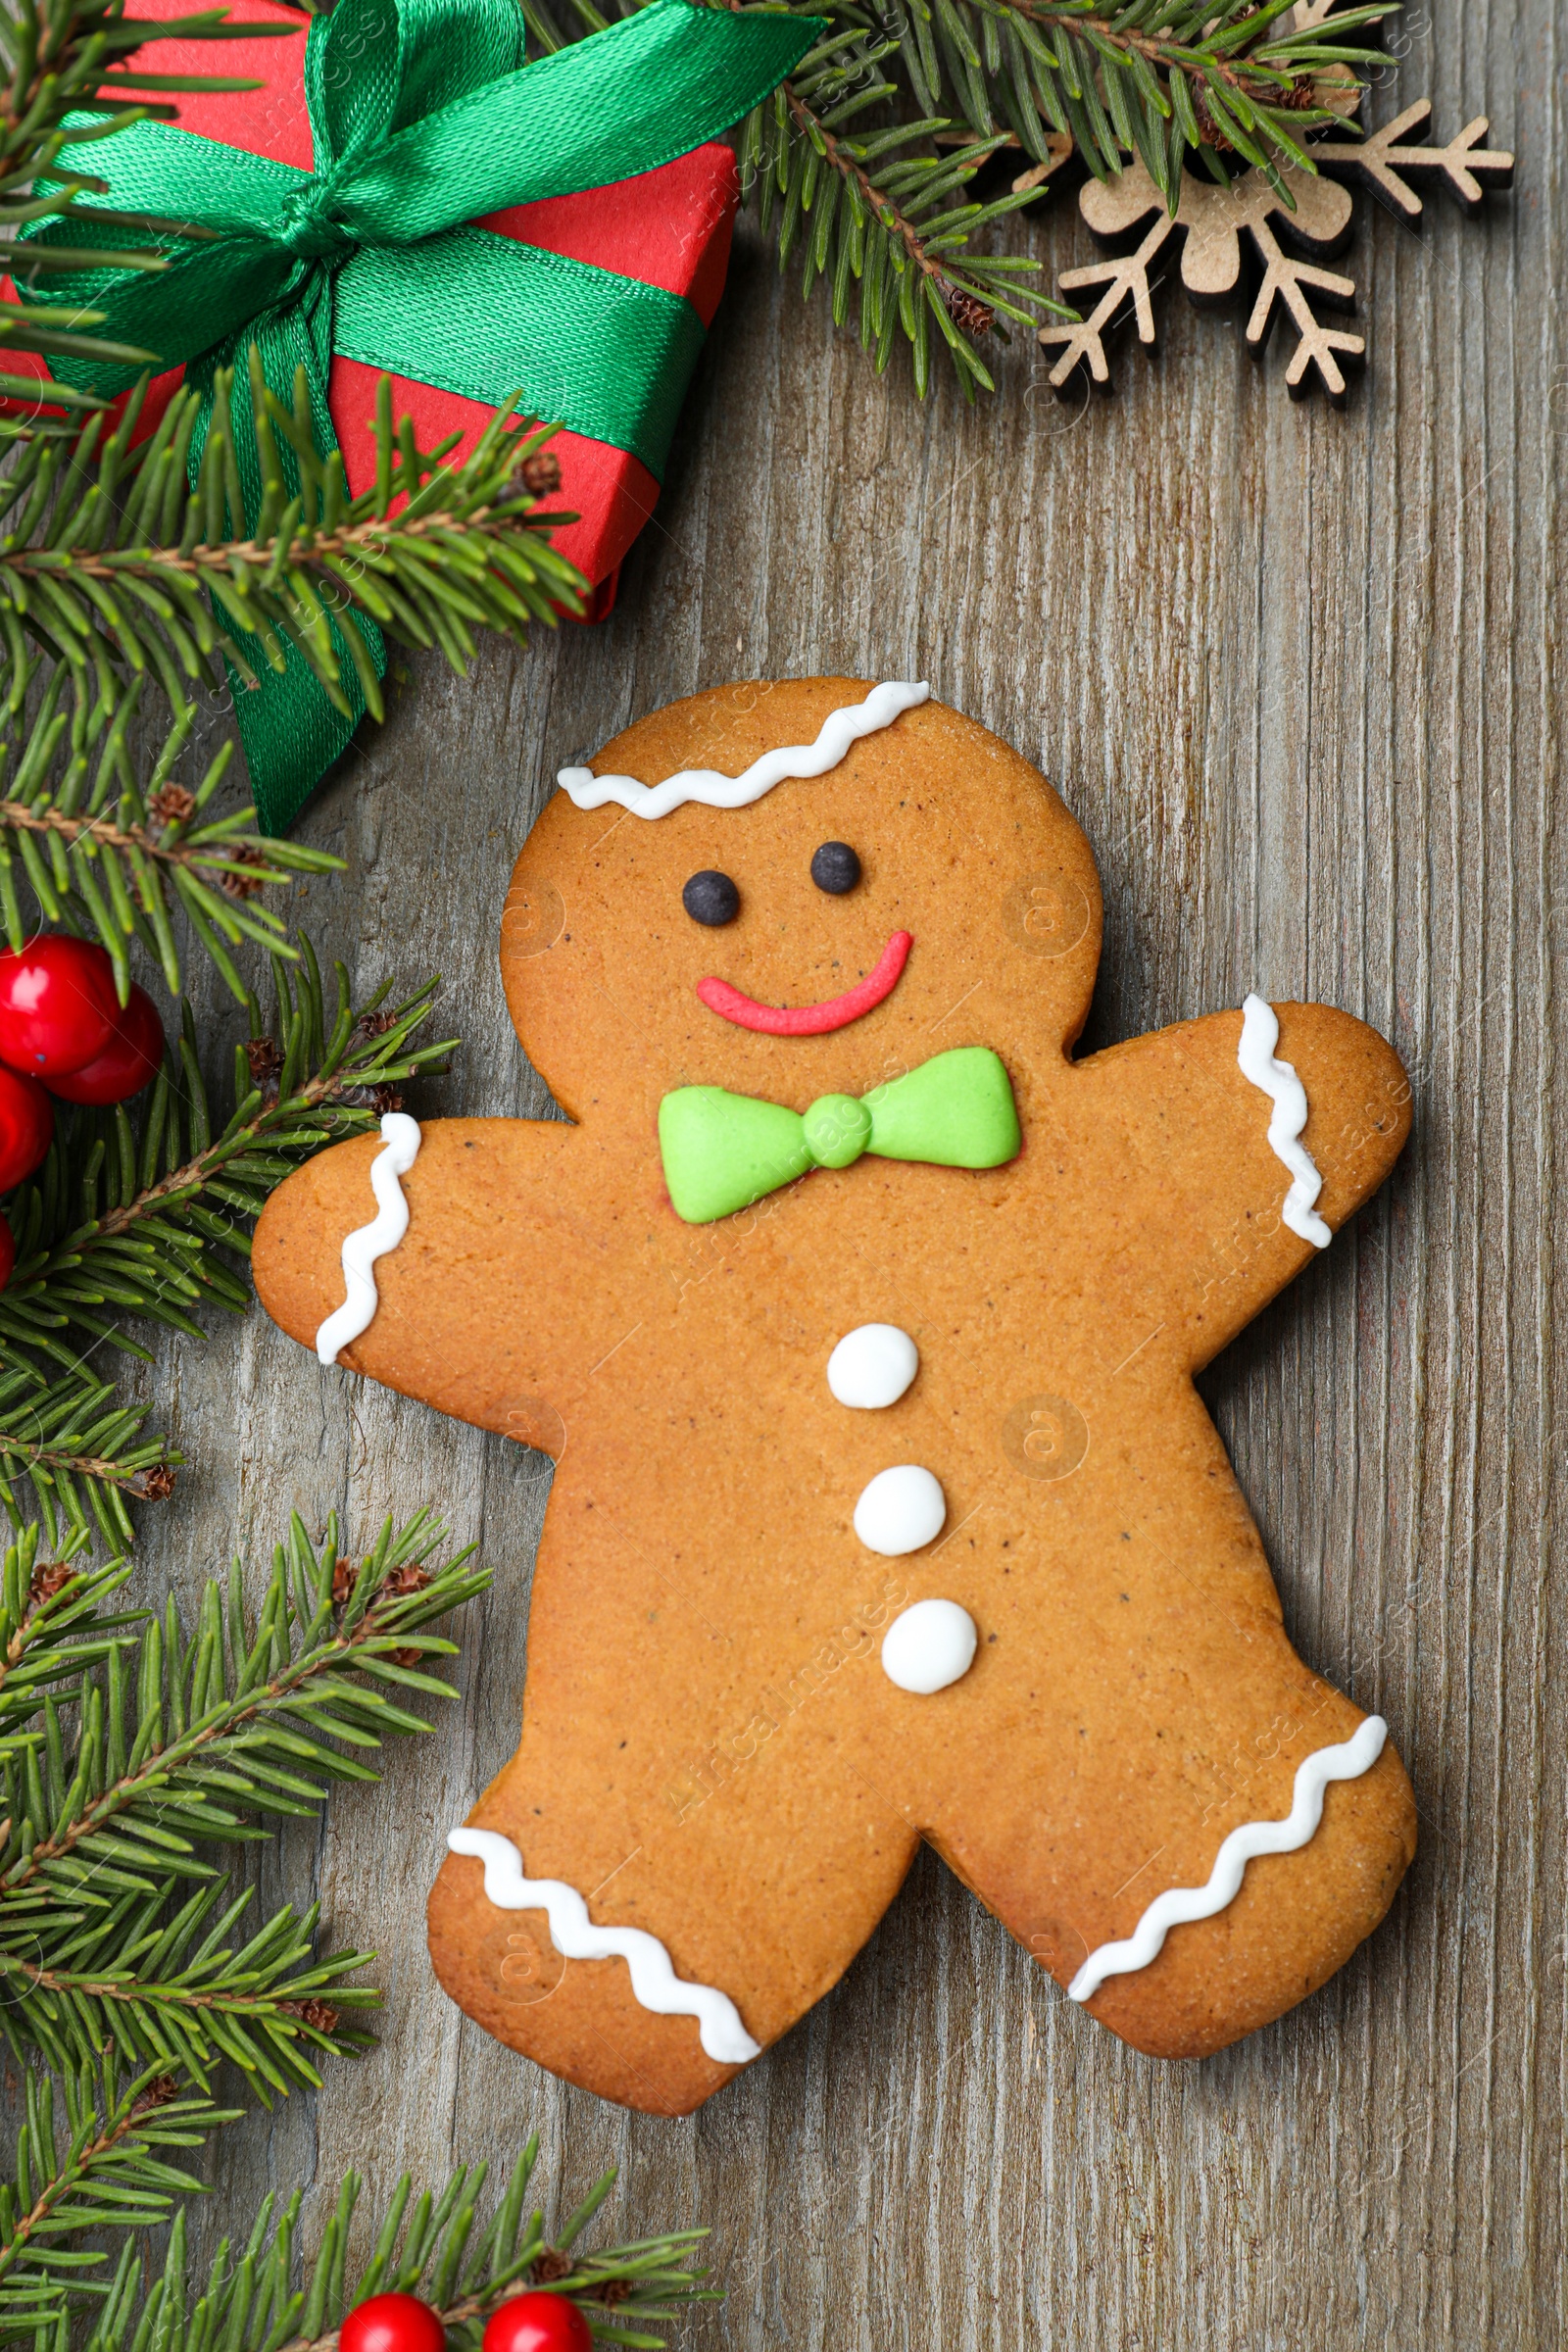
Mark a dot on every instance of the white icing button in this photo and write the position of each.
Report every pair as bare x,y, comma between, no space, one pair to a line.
931,1645
899,1510
872,1366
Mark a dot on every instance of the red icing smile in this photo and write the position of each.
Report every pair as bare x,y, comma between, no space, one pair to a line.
811,1020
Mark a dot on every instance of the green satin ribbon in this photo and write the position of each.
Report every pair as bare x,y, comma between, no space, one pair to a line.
721,1151
423,116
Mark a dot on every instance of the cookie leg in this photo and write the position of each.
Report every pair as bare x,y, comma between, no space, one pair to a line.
1296,1919
579,2018
1102,1861
653,1978
1194,1830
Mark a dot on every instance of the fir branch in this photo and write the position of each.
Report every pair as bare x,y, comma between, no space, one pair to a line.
203,1738
150,1216
1161,79
110,557
183,1740
261,2007
262,554
78,57
1237,51
115,1936
52,1627
108,2174
94,847
871,213
80,1451
439,2247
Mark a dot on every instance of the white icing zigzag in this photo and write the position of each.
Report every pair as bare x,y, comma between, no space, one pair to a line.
576,1937
369,1241
1261,1034
1179,1904
881,707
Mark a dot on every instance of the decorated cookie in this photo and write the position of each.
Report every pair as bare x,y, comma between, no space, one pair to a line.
861,1321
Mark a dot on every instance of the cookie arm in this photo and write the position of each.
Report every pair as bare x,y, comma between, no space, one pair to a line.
1190,1131
486,1307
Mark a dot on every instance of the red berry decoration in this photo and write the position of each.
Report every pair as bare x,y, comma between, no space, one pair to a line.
26,1127
537,2324
131,1059
8,1253
392,2323
57,1007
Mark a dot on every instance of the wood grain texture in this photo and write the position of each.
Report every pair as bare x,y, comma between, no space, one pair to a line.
1296,674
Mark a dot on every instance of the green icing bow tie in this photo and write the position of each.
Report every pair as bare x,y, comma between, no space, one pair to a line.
424,117
722,1151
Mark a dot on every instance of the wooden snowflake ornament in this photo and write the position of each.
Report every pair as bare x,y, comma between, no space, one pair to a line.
1385,161
1215,221
1253,219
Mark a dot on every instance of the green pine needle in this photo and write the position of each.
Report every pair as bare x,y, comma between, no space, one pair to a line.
53,1627
75,1454
78,57
893,224
145,1212
112,561
115,575
132,1743
259,2297
862,163
90,847
104,2170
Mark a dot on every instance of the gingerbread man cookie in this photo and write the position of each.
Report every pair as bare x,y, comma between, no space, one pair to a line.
861,1321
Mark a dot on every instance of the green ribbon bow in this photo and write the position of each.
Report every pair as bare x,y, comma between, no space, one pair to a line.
423,116
722,1151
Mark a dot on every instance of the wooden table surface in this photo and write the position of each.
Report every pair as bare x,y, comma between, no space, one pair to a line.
1294,672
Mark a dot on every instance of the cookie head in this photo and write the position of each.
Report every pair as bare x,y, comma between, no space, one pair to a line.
927,889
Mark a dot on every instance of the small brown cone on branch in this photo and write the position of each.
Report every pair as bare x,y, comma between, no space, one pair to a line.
319,2014
234,879
159,2092
541,474
969,315
171,805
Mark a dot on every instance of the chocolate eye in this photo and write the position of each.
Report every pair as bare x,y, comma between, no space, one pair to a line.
835,868
711,898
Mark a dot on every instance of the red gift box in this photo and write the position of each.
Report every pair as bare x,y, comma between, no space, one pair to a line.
670,228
